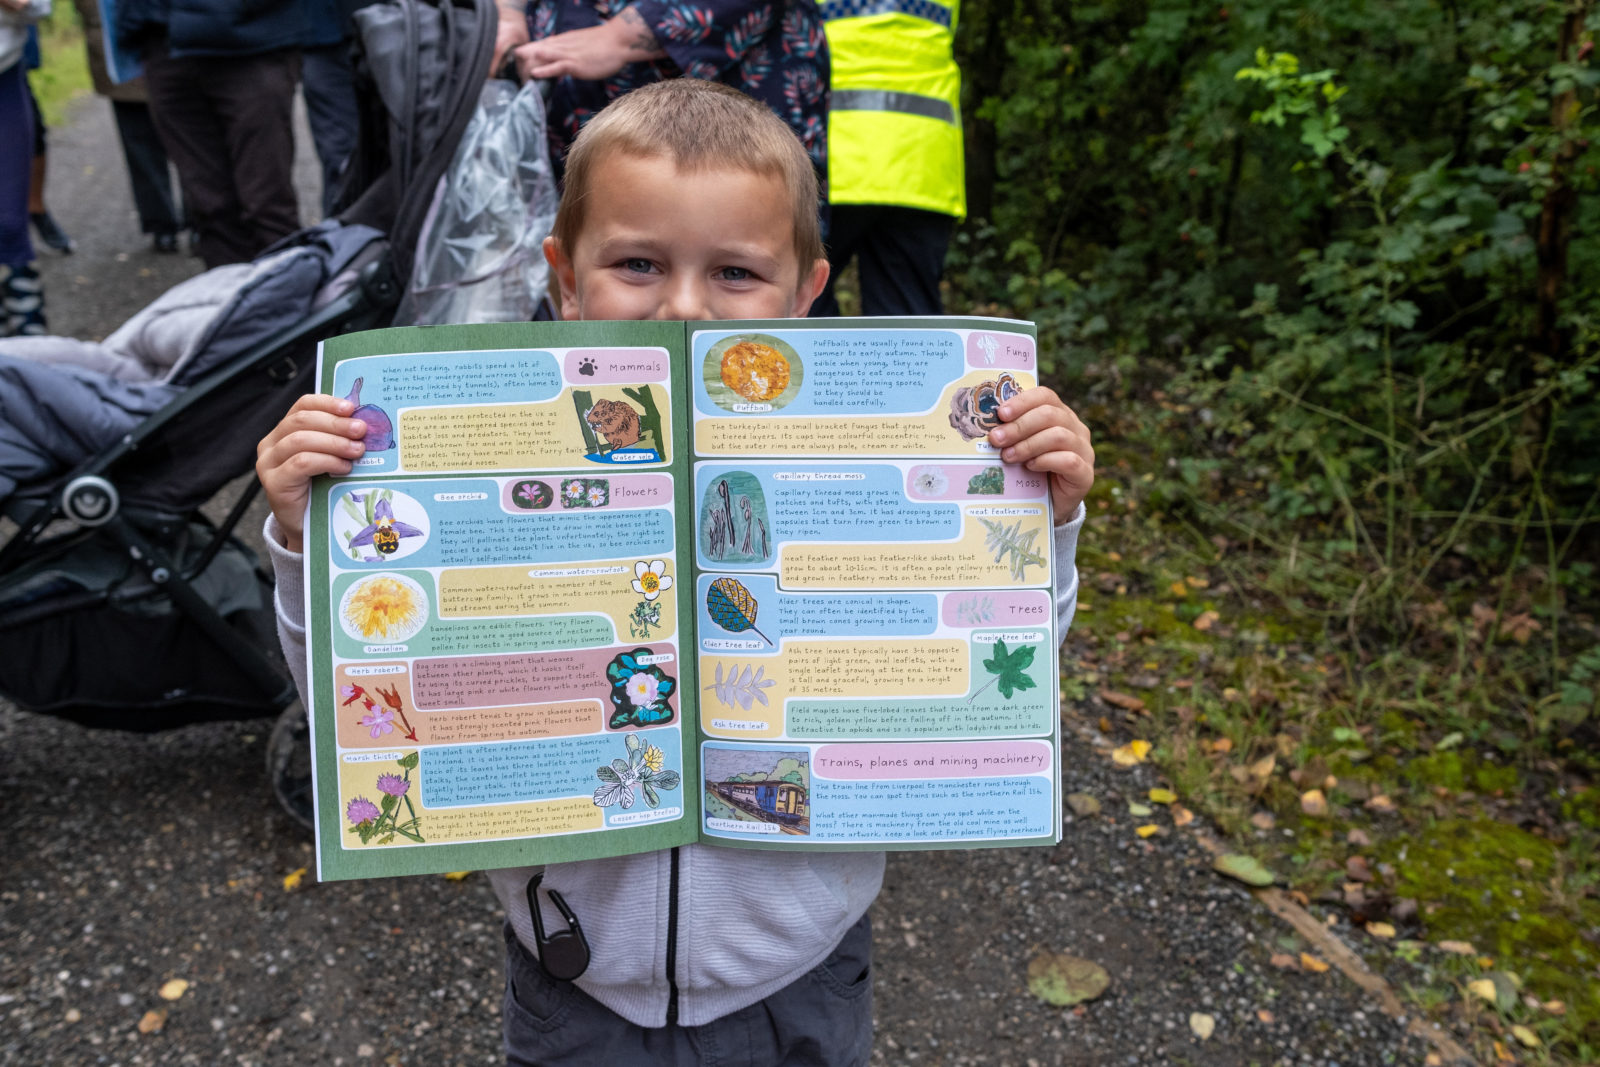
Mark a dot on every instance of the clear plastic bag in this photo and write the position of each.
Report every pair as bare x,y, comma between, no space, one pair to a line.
478,256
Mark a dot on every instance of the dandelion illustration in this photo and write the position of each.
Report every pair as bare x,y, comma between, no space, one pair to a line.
361,811
379,720
930,481
385,606
650,579
393,784
653,758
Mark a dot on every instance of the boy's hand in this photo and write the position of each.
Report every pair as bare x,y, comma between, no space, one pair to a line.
1044,435
316,437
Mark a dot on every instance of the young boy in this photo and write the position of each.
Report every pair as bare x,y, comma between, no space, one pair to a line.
685,200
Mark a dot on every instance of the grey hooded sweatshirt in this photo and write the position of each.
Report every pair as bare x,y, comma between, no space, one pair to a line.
736,941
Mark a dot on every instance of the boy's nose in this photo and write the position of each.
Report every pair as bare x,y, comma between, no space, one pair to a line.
685,298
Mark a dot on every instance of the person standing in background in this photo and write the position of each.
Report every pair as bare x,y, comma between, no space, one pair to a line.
328,82
44,223
897,181
148,175
21,294
221,77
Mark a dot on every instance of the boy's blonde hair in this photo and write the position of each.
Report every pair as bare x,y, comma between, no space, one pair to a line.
698,125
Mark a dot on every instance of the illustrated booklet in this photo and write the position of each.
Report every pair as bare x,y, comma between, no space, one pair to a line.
598,588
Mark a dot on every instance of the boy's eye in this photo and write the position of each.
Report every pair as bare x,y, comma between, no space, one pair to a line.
736,274
638,266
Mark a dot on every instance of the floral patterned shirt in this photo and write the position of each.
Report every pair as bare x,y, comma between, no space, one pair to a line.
773,50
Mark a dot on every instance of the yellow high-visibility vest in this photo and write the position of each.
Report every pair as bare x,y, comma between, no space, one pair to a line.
894,118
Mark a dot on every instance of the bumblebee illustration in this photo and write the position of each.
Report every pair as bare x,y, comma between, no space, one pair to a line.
385,531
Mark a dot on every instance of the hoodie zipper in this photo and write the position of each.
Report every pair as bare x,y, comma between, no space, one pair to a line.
672,943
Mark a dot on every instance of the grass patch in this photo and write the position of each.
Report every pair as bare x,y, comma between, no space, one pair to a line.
64,76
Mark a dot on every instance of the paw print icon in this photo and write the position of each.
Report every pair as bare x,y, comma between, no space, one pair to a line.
586,366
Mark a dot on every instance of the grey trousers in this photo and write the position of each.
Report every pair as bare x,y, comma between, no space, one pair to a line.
822,1019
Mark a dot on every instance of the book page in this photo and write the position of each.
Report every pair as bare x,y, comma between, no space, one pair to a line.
873,589
495,607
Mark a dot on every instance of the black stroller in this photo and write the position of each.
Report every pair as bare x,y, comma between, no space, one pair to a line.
122,605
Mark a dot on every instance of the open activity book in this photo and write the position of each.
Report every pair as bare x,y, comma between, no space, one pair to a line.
601,588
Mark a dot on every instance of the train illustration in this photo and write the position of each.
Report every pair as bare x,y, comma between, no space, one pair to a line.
782,802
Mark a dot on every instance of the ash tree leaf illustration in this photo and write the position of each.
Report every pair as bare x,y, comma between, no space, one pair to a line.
743,687
1009,670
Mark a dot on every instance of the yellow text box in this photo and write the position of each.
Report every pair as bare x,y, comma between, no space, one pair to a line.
977,560
937,667
491,592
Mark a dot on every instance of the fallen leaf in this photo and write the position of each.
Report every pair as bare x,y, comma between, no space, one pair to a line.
456,876
1520,627
1206,620
1383,930
1178,589
1284,962
1195,583
1506,986
1140,810
1555,1007
1262,768
1082,804
1181,816
174,989
1313,803
1357,838
1230,693
1265,1016
1121,700
1222,744
1162,796
1380,804
1482,988
1459,948
1356,867
1104,724
1526,1037
152,1021
1062,981
1263,820
1246,869
1433,1059
291,881
1148,830
1502,1055
1202,1024
1132,753
1312,964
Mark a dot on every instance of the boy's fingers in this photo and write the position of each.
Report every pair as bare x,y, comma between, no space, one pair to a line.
312,422
1028,399
1047,439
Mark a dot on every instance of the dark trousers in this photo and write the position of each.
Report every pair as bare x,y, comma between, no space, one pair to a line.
16,129
900,257
821,1019
147,167
328,83
225,122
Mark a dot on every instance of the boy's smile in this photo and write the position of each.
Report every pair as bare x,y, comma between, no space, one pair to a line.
659,242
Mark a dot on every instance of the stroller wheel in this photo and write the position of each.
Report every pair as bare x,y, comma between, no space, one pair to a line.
289,764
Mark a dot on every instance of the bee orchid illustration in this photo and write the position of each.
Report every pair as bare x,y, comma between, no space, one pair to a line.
385,531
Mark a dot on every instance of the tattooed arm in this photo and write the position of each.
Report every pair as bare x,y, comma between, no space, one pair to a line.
592,54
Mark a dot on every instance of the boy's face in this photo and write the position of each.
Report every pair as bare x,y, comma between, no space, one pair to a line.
661,243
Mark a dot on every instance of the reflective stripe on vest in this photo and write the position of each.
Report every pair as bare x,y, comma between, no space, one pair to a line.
885,100
920,9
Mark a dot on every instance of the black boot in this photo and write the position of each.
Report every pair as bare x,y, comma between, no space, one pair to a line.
50,231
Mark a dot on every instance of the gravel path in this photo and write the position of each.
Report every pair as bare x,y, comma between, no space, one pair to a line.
133,860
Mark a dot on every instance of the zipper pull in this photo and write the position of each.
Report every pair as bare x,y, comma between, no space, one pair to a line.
563,955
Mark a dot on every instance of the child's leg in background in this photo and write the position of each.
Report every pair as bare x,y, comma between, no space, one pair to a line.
23,305
822,1019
